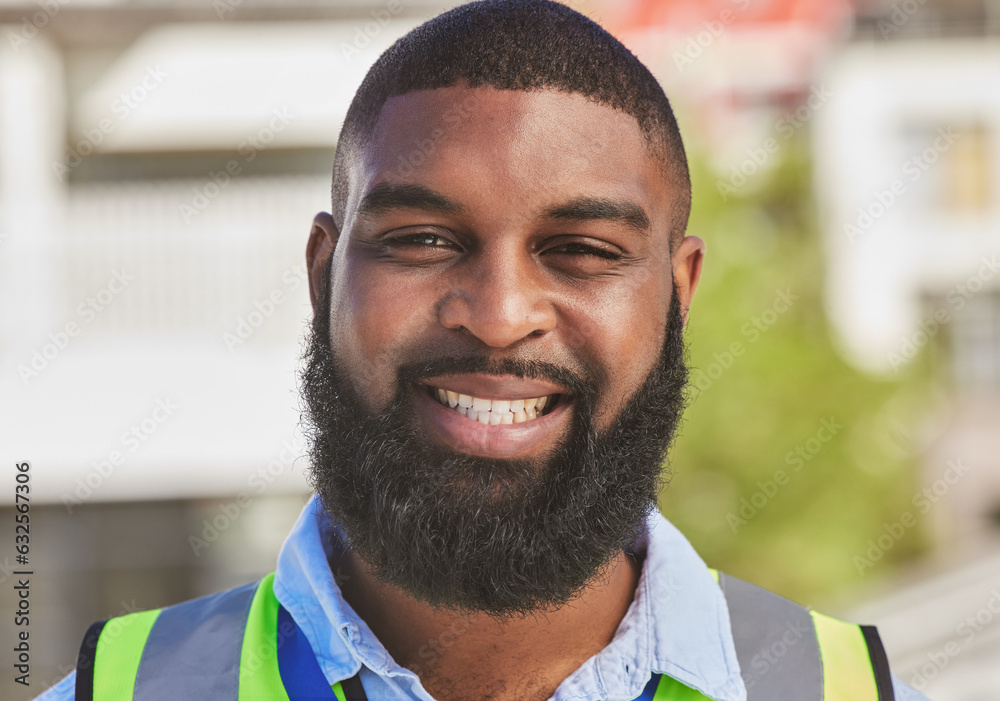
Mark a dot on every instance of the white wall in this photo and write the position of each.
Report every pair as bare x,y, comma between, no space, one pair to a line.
877,134
152,327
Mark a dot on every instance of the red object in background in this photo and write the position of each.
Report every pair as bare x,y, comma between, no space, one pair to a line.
678,14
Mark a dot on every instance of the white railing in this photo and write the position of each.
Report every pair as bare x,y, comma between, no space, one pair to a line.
196,264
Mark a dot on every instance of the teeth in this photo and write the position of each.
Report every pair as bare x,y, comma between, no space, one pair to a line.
493,412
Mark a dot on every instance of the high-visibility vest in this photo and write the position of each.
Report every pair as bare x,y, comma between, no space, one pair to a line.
242,645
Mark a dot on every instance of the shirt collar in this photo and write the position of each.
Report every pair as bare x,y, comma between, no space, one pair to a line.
678,623
306,587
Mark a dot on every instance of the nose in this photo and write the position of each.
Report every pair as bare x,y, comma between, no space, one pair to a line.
499,299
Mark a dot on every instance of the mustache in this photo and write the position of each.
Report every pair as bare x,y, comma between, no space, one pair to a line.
580,385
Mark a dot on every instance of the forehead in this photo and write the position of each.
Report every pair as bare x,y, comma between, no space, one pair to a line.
530,148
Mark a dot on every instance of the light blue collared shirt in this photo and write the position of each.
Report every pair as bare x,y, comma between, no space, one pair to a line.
677,624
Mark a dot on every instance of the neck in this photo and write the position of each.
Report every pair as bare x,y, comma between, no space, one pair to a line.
475,656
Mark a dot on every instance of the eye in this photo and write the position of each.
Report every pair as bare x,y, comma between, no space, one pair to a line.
419,247
419,239
586,250
583,256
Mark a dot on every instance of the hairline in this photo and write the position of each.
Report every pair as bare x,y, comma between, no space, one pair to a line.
673,169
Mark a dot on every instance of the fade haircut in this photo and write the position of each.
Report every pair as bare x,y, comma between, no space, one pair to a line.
518,45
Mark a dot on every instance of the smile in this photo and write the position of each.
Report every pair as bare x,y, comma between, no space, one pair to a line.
495,412
494,416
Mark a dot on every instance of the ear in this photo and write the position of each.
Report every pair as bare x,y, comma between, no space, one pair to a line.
686,263
322,240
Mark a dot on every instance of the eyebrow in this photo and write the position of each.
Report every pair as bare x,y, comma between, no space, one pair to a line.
602,209
386,196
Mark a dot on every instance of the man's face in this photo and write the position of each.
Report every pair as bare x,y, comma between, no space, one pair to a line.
504,248
542,257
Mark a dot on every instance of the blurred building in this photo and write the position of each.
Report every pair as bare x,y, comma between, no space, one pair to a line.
907,164
901,100
160,165
734,67
942,631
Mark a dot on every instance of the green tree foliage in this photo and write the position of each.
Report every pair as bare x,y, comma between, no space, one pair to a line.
790,460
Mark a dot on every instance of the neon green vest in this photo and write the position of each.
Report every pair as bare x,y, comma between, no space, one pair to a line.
226,647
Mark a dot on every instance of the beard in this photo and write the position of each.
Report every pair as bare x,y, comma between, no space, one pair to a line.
504,537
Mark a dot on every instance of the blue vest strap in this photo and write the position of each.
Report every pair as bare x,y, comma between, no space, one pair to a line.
300,671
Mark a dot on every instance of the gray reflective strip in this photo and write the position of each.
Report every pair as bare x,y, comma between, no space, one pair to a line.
775,643
193,650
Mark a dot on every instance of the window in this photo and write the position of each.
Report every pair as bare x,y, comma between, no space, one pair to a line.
976,343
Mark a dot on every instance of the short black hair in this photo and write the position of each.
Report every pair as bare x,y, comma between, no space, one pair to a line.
518,45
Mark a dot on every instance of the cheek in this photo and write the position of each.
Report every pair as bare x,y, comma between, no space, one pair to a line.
622,332
373,319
